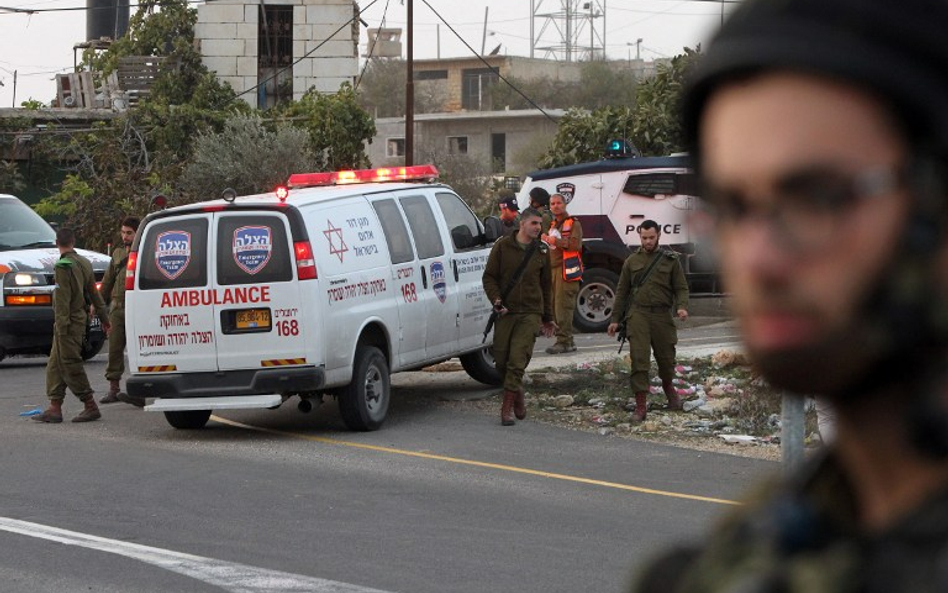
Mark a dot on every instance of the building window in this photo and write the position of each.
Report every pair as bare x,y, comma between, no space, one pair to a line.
431,75
498,153
457,144
395,147
475,89
275,51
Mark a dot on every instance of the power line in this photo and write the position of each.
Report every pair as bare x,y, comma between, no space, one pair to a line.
486,63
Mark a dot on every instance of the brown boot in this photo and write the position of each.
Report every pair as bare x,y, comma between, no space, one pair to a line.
641,406
674,402
112,396
520,405
53,414
506,409
90,412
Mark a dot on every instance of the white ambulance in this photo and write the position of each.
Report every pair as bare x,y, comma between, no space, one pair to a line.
611,198
323,287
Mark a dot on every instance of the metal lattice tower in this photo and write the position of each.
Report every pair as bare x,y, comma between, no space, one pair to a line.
568,30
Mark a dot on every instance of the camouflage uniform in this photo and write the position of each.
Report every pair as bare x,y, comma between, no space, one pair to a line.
113,286
74,279
649,323
802,536
528,304
564,293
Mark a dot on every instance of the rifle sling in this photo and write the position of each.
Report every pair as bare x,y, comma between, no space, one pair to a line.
519,271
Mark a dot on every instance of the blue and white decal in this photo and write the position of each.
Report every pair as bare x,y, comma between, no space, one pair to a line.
438,280
173,253
253,246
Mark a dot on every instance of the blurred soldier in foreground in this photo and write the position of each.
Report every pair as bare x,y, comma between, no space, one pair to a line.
820,130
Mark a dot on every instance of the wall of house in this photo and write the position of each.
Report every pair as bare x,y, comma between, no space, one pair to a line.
227,31
434,131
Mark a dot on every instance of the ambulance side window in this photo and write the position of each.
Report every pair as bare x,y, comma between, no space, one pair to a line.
651,185
464,226
424,227
396,235
252,250
173,254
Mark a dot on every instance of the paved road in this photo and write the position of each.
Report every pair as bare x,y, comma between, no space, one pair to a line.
441,499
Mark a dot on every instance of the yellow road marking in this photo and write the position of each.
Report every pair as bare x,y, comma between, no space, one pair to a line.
484,464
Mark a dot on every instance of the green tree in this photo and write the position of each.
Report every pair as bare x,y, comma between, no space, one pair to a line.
600,84
338,127
247,157
651,123
381,90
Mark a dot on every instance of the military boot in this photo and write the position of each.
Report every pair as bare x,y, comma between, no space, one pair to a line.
520,404
674,402
90,412
53,414
641,405
112,396
506,409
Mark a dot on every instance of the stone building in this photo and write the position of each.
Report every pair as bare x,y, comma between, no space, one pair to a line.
271,51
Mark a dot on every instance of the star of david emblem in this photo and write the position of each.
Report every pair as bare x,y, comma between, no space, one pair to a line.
334,235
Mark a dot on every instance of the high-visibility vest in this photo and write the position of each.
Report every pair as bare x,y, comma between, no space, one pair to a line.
572,260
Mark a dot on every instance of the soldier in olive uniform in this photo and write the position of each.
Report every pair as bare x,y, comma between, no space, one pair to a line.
650,285
820,131
75,283
527,306
113,288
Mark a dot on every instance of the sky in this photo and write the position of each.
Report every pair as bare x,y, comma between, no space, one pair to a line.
38,46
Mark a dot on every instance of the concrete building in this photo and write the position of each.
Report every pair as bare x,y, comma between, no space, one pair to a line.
466,82
498,137
274,51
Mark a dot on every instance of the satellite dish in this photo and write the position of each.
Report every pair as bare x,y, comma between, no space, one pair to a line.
496,50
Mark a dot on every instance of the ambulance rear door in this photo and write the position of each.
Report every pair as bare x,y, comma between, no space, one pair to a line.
257,307
168,329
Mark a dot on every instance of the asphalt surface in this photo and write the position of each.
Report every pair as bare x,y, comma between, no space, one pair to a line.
441,499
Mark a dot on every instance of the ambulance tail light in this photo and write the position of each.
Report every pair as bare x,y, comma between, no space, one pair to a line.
305,264
130,270
381,174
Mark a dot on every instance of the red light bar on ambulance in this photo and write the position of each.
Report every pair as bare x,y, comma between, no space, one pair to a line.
414,173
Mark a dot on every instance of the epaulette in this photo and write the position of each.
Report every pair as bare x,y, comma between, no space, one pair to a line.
64,262
670,254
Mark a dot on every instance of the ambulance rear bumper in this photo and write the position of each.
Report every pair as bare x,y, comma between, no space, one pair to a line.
227,383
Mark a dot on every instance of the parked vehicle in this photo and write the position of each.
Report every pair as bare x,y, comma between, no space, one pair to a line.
28,253
611,197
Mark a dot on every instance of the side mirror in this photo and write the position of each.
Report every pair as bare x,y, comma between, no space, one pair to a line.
493,228
461,237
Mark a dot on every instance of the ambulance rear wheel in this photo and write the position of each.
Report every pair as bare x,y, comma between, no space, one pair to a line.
188,419
596,300
363,403
479,366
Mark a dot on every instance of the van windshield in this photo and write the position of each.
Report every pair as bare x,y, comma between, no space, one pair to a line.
21,227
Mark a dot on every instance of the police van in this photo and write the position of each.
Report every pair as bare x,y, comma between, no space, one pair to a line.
323,287
611,197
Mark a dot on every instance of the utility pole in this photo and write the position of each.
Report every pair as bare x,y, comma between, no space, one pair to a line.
410,95
14,89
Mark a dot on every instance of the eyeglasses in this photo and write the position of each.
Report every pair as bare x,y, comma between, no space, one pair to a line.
807,207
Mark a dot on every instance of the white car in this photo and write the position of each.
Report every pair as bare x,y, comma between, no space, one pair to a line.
322,288
28,253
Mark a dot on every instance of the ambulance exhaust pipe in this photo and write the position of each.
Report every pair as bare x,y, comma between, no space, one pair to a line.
307,404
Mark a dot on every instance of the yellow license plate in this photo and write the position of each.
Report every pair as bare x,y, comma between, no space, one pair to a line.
253,318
